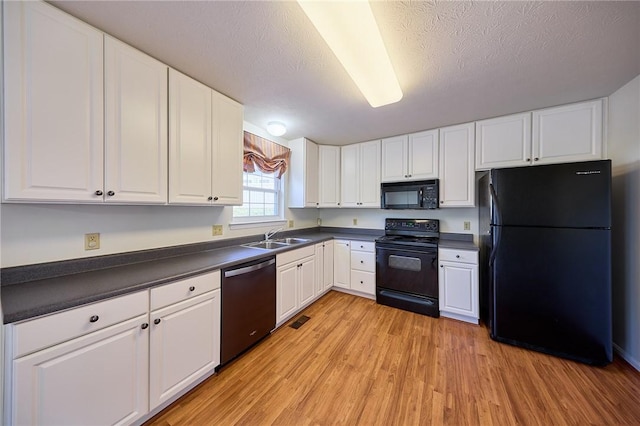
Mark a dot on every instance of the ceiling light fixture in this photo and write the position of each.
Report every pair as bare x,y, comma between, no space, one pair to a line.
350,30
276,128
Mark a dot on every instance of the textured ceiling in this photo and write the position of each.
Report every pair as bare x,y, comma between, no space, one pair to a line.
456,61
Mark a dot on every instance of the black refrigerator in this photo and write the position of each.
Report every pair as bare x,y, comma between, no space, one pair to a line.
545,236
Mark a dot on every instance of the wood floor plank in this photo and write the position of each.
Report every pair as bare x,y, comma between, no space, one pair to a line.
358,363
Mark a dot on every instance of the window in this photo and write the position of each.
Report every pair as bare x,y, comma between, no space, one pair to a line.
261,198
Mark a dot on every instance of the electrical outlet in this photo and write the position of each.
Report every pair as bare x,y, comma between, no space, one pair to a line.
92,241
467,226
291,224
216,230
355,221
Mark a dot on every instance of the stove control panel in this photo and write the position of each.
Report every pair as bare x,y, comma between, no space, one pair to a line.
412,226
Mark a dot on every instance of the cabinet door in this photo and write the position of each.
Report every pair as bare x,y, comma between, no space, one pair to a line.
370,174
423,155
457,174
185,344
503,142
394,166
350,175
311,175
227,147
319,280
459,289
342,264
329,176
287,292
189,140
53,92
327,276
568,133
306,281
135,126
99,378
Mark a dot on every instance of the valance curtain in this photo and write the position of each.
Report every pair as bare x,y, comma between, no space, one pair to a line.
264,154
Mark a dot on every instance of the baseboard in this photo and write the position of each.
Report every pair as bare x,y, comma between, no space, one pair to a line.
354,292
627,357
459,317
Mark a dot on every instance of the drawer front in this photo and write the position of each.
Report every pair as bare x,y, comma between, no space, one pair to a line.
295,255
363,261
454,255
364,282
184,289
32,335
368,246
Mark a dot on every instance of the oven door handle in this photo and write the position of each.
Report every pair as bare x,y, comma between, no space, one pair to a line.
393,250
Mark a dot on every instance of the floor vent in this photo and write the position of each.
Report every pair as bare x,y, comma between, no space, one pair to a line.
298,323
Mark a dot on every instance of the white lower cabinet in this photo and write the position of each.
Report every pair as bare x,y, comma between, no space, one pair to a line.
110,362
342,263
184,341
458,282
88,365
324,267
295,282
355,266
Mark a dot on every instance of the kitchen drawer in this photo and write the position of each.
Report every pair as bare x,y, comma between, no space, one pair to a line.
32,335
363,261
455,255
295,255
364,282
368,246
182,290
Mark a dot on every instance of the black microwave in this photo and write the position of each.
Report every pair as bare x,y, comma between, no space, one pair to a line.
422,194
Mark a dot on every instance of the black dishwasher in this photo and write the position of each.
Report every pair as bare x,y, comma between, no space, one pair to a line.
248,306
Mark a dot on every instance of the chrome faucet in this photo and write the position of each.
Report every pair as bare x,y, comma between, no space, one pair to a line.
271,233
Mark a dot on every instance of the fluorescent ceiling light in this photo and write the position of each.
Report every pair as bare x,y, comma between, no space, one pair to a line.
350,30
276,128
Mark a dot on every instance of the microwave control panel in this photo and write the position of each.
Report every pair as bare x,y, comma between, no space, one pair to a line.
430,196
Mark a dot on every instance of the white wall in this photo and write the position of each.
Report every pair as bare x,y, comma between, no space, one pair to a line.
624,151
34,233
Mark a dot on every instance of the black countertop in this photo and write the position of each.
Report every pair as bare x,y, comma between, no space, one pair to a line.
35,290
29,297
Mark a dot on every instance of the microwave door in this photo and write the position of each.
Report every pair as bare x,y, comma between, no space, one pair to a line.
402,199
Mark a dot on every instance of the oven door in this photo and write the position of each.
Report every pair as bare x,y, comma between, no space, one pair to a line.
407,270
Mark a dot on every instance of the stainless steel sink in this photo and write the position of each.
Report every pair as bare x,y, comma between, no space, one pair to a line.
269,245
291,240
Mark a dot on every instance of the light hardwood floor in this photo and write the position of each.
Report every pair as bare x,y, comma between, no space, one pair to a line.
356,362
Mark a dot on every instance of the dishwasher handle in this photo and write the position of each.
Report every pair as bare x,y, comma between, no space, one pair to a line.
247,269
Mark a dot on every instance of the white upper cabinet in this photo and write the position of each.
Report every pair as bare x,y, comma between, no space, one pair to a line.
568,133
410,157
303,173
53,92
205,144
135,126
561,134
189,140
457,175
329,176
227,150
503,142
360,174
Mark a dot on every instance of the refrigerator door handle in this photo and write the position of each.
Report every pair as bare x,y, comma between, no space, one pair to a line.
495,230
496,204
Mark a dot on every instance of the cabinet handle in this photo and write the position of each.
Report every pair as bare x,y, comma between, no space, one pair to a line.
192,288
144,326
156,321
441,202
338,203
111,193
362,261
361,282
408,175
98,192
536,159
457,256
528,159
94,318
441,266
215,198
209,198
